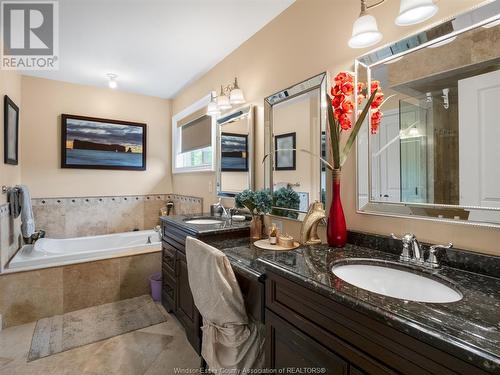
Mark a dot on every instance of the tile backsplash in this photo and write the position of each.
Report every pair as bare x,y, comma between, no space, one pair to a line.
83,216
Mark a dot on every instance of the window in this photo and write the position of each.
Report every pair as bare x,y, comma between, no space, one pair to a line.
193,137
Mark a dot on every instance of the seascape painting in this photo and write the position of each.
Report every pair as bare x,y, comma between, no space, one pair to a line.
234,152
102,144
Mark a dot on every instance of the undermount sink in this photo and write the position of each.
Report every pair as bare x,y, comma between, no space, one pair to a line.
203,220
397,283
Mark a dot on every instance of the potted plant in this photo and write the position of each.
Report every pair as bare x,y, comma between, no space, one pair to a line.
286,197
258,203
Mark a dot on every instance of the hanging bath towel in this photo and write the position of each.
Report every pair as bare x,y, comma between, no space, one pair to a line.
14,204
27,220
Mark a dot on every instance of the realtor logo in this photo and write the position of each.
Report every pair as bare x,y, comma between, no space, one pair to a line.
29,35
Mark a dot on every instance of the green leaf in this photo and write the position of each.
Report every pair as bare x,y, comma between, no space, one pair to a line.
356,128
334,134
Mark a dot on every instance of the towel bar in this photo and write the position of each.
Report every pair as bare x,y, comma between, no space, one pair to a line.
4,189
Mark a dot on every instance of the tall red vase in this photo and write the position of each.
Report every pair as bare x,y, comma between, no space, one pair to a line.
336,230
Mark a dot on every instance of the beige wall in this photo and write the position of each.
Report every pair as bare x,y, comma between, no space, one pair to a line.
10,84
309,37
44,101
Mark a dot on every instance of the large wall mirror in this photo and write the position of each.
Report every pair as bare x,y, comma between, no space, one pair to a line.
295,120
436,153
235,152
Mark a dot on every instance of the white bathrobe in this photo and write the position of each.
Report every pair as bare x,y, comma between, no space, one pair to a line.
230,339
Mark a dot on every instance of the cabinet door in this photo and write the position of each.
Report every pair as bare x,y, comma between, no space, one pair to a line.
185,309
288,347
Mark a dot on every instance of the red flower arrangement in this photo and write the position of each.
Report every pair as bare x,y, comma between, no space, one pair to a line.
343,105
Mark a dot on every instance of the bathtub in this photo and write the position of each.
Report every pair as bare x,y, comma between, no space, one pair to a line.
48,252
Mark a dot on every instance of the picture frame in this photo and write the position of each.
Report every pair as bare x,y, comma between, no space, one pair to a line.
234,152
96,143
285,160
11,131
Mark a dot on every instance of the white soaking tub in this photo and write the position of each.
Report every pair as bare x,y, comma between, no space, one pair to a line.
49,252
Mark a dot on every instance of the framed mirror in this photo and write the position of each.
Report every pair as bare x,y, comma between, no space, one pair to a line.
435,155
295,121
235,152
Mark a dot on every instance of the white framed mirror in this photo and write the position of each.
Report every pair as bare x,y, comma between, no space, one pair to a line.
435,155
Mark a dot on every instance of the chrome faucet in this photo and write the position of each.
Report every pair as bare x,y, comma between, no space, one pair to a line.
216,207
417,255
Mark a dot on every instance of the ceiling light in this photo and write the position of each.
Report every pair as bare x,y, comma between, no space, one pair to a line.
364,30
212,108
443,42
112,80
412,12
236,95
223,100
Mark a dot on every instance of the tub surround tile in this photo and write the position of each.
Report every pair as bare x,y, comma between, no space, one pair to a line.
84,216
10,235
134,272
28,296
91,284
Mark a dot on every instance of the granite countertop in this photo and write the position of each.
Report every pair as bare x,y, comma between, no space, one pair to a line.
469,328
225,225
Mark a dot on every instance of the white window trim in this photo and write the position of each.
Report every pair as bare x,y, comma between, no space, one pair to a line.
203,102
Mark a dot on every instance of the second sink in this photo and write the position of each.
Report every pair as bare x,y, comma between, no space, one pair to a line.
397,283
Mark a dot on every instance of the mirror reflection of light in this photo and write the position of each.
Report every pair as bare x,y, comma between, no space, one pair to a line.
492,24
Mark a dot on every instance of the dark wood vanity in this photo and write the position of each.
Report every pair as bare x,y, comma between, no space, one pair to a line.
176,293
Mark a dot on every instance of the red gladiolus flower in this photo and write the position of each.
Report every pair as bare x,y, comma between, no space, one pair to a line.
361,87
345,121
347,88
337,113
337,100
347,106
375,86
377,102
335,90
341,78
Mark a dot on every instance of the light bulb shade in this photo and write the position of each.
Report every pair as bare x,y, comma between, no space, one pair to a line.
236,96
112,84
213,109
412,12
365,32
223,102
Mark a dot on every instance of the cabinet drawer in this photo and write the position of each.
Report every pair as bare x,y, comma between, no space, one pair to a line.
289,348
168,257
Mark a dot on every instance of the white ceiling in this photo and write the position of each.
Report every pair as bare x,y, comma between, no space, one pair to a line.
156,47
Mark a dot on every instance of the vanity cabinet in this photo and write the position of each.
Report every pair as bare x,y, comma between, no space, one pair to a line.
176,293
307,329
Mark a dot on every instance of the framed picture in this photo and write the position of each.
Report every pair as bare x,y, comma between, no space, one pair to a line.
95,143
234,152
11,131
285,160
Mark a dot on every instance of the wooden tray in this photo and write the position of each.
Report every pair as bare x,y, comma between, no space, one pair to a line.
265,245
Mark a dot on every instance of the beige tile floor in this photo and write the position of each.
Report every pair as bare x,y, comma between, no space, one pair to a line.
159,349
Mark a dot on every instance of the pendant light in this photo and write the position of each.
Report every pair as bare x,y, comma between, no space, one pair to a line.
223,100
236,95
412,12
212,108
365,30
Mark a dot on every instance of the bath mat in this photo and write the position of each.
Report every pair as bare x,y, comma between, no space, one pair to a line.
77,328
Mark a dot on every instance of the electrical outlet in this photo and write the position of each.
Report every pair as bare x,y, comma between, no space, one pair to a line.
278,224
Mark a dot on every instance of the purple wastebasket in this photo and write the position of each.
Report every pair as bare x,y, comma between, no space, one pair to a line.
155,281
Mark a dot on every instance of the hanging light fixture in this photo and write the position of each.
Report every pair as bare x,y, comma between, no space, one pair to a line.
212,108
365,31
223,100
412,12
236,95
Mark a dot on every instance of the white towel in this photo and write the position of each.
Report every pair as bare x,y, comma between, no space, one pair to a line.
230,339
27,220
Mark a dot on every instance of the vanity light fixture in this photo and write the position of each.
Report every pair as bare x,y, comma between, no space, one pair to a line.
112,80
412,12
365,31
229,95
212,108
